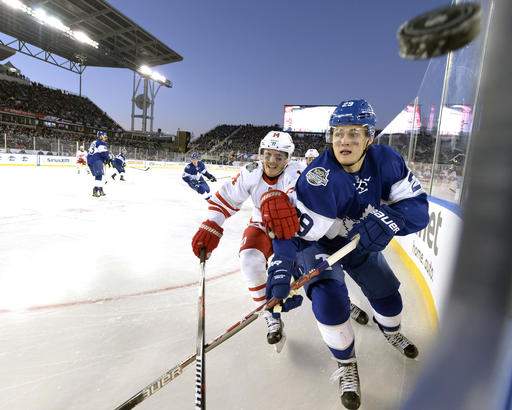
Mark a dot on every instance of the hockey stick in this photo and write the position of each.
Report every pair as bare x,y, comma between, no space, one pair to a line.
177,370
141,169
200,353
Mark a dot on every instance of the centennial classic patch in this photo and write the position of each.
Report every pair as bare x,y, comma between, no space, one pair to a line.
318,176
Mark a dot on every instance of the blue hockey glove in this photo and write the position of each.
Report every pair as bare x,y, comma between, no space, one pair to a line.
377,229
291,303
278,282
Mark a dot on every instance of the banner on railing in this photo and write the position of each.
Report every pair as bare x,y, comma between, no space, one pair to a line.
17,159
54,161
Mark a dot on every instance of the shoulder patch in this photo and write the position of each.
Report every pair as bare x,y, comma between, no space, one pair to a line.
252,166
318,176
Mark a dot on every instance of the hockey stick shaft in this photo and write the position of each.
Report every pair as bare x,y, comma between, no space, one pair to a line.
140,169
171,374
200,353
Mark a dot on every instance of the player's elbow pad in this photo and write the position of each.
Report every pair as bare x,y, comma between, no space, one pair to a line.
414,213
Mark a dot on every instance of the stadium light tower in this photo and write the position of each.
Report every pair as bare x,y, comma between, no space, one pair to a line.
151,84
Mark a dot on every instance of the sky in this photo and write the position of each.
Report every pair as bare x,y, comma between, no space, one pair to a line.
242,61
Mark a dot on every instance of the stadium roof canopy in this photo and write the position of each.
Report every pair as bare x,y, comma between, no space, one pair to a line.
121,42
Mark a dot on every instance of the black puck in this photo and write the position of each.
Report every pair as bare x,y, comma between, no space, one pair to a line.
439,31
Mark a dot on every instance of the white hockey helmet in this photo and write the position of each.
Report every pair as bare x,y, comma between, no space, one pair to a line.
279,141
311,153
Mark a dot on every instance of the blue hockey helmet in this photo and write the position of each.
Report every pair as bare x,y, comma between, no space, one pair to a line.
102,135
195,156
354,112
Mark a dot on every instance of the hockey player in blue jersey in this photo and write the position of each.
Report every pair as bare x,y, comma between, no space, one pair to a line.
97,156
119,163
194,174
352,188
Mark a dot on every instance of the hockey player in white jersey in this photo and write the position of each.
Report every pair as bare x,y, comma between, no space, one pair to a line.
272,172
81,159
310,155
352,188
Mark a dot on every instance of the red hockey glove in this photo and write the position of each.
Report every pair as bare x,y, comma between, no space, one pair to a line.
207,236
278,214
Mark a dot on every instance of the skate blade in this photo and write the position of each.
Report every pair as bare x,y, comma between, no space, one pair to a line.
279,345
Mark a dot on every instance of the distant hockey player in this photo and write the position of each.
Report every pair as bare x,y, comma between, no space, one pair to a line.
119,163
273,171
81,159
97,156
310,155
194,174
352,188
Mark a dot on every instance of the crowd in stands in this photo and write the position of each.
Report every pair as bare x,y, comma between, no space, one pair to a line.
57,104
241,142
22,138
451,150
11,72
207,141
43,140
40,118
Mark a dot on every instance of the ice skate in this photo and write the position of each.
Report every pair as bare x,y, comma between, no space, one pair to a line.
349,387
96,192
113,176
121,178
275,328
402,344
102,193
358,314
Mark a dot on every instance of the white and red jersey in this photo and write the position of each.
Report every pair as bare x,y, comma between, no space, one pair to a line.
81,157
251,182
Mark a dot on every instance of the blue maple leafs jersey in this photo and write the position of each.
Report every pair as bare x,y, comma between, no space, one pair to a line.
330,200
196,173
98,151
120,160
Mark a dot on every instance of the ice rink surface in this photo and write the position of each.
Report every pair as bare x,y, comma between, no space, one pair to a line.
98,298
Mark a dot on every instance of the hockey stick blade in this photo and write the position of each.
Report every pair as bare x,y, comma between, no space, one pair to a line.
141,169
177,370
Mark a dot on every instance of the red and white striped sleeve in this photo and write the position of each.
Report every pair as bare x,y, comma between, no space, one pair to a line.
229,198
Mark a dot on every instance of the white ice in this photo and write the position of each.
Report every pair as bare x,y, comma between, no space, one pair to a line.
98,298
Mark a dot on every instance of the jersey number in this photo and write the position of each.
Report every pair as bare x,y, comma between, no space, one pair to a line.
305,222
415,185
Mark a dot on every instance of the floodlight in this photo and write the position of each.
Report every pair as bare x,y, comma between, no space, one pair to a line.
41,17
82,37
15,4
157,77
56,23
148,72
145,70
